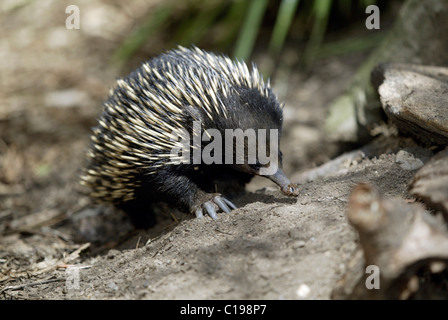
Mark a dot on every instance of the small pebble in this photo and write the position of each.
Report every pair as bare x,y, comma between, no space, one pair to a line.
303,291
113,286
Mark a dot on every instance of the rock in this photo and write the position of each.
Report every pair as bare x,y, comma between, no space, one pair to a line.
415,99
430,183
335,167
303,291
341,123
418,24
412,158
67,98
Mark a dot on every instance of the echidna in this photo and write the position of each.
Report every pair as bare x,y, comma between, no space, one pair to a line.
131,163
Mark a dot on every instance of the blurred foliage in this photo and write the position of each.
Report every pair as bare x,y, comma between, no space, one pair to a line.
236,27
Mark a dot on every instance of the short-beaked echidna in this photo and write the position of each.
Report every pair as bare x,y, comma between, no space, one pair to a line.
130,161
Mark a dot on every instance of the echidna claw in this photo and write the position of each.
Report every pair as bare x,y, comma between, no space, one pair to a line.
211,206
231,205
222,204
210,210
199,213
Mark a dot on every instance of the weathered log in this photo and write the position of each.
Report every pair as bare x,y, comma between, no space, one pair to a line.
430,183
407,245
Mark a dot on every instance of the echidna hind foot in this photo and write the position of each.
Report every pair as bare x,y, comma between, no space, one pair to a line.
211,206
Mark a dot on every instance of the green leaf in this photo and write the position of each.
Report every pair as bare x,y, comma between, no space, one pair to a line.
283,22
250,29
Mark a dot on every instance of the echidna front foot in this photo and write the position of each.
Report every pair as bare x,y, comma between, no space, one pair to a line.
211,206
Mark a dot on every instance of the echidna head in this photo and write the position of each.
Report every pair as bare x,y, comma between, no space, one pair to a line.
267,161
258,120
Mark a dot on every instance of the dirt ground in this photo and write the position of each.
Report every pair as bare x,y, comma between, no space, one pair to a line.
272,247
